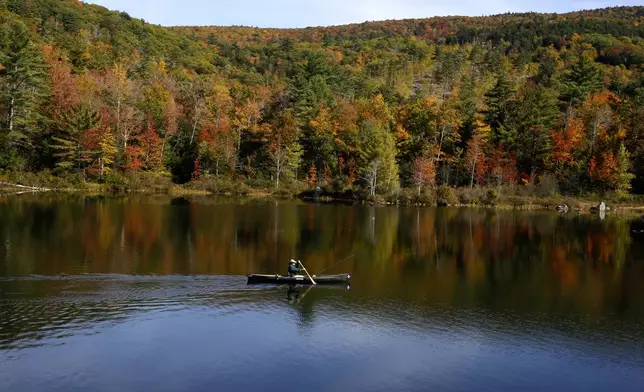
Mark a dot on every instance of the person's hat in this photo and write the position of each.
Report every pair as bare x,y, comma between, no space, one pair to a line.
293,261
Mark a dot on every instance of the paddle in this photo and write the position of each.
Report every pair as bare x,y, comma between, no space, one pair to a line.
307,272
304,295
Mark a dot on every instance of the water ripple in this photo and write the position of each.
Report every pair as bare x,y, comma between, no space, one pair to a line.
38,310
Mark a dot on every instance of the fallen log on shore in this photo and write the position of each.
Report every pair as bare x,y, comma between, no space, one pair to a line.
32,188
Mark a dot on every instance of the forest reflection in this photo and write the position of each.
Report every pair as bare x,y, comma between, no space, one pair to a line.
500,259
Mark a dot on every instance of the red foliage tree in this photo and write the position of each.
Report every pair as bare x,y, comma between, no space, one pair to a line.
353,172
63,87
502,167
604,169
424,173
197,172
566,142
151,145
133,158
312,177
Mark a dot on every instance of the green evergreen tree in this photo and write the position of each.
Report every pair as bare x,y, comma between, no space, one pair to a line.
467,107
532,117
583,78
498,101
23,88
70,143
624,175
548,67
448,63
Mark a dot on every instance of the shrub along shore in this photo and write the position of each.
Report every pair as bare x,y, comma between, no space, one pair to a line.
526,197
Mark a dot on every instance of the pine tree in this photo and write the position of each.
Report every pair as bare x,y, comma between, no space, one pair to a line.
532,117
624,176
582,79
549,65
498,101
23,89
448,63
70,144
467,107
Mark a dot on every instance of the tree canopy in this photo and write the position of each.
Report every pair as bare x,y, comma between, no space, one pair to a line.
458,101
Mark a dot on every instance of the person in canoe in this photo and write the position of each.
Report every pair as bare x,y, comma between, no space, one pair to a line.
293,268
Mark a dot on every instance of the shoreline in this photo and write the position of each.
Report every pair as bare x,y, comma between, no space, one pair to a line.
509,202
156,184
536,205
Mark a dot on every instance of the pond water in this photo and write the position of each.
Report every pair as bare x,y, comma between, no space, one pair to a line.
150,293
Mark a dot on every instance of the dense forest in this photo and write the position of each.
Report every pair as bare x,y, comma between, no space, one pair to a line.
507,101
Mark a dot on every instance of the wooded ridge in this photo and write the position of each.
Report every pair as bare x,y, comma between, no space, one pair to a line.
554,101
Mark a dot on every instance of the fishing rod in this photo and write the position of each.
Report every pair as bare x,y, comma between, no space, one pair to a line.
341,261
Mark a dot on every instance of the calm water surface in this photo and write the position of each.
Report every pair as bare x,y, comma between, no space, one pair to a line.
150,294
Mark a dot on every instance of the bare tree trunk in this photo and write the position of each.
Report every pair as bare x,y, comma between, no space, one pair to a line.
473,168
237,163
440,145
374,178
11,112
163,143
593,136
194,129
197,118
118,115
278,169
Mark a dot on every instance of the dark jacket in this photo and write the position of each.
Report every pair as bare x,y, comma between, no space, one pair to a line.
294,269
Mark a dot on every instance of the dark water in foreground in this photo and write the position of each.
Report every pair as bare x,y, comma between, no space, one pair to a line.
150,295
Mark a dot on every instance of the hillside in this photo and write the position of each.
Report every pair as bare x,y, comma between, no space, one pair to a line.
517,28
545,102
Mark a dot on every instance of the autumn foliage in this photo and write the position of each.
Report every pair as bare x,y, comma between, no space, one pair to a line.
567,142
458,102
424,173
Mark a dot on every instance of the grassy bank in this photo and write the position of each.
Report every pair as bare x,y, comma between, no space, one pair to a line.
519,198
142,183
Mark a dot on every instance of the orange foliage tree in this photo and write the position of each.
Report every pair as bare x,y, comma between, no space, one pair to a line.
424,173
568,141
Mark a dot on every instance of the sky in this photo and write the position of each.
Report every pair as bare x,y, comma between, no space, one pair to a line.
303,13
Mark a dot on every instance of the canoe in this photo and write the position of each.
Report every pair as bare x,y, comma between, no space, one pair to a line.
298,279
